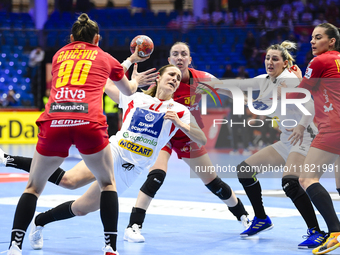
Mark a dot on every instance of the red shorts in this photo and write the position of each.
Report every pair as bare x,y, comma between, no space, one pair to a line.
56,137
327,142
185,148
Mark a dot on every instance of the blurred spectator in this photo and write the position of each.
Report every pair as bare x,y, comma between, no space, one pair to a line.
241,17
299,6
242,73
35,58
178,5
84,5
286,25
295,15
286,7
256,60
205,18
183,22
249,45
320,20
229,18
10,99
332,13
228,72
64,5
307,16
110,4
112,115
217,16
253,15
311,6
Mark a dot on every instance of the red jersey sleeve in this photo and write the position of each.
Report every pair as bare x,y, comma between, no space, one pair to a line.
313,73
117,71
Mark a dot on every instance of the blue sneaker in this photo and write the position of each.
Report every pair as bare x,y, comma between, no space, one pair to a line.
257,226
314,239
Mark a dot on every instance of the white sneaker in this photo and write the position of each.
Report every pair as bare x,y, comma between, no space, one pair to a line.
247,152
14,249
109,251
3,160
245,221
35,236
133,235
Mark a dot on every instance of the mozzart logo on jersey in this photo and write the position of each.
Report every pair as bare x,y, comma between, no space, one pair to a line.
146,122
135,148
255,106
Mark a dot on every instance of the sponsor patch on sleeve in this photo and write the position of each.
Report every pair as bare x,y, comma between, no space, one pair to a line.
308,73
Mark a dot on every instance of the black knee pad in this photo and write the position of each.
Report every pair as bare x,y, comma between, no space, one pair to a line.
292,187
153,182
246,174
219,188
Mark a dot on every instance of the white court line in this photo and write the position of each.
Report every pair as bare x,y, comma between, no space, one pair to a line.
164,207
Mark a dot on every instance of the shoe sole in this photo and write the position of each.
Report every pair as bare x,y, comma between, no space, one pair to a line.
329,249
131,241
269,228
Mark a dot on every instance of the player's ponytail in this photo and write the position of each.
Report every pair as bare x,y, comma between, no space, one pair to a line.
285,48
84,29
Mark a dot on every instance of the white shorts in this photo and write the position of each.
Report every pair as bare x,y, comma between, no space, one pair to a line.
124,176
284,148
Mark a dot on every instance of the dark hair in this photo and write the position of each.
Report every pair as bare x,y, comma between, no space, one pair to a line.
152,91
84,29
184,43
332,32
284,47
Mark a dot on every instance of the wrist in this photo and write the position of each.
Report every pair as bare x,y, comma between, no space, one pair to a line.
127,63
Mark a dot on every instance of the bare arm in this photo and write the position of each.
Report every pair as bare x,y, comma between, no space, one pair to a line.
112,91
192,130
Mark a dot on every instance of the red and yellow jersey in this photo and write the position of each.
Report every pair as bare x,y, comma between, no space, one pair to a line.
185,94
322,79
79,74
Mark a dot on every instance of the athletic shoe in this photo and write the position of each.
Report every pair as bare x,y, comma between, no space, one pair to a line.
109,251
331,243
257,226
14,249
35,236
133,235
245,221
314,238
3,160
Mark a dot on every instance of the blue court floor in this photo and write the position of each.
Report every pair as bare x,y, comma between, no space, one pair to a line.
184,218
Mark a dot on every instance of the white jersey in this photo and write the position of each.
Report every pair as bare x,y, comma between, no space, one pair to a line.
265,85
144,131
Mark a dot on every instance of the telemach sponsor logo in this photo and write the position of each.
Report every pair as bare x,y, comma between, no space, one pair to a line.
69,107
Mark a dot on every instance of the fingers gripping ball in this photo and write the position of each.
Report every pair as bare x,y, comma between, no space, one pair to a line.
145,45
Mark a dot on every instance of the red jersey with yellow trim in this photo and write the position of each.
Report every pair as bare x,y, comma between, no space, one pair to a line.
79,74
322,79
185,95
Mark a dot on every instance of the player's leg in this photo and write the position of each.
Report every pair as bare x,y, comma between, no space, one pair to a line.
309,180
147,192
218,187
293,190
101,165
337,174
77,177
247,171
27,203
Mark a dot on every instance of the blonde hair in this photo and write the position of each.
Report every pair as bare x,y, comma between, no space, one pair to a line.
152,91
84,29
283,48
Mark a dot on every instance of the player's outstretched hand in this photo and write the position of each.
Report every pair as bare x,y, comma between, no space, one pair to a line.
145,78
